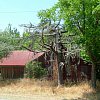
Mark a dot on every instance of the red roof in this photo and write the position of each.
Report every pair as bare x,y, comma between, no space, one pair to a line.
19,58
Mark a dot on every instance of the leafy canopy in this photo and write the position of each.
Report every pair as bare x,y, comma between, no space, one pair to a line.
9,40
81,18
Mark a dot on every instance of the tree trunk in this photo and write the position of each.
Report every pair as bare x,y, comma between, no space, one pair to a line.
93,74
60,67
59,58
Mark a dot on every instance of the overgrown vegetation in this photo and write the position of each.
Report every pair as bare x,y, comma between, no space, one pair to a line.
25,87
5,49
9,40
34,69
81,18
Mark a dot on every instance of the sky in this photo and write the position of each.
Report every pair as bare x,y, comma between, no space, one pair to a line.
17,12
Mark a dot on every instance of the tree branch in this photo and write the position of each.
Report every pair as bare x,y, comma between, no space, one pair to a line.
29,49
58,24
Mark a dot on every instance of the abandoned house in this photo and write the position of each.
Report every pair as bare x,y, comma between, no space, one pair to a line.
14,64
74,72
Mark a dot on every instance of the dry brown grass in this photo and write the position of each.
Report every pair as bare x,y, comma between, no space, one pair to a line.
29,87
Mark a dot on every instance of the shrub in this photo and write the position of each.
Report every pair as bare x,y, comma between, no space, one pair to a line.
34,69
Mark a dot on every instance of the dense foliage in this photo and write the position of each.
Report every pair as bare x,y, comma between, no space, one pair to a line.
9,40
35,70
5,49
81,18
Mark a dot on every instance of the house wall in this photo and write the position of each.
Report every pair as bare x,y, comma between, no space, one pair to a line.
12,72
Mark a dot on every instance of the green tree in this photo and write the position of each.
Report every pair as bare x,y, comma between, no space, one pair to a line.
52,21
81,18
5,49
12,37
34,69
31,41
9,40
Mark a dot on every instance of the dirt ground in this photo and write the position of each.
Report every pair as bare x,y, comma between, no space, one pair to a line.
30,97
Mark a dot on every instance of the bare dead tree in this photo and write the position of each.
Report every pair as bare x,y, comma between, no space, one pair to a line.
54,32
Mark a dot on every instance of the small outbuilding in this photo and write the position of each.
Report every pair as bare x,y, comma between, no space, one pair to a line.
14,64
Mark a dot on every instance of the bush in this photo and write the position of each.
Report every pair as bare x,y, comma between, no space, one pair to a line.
35,70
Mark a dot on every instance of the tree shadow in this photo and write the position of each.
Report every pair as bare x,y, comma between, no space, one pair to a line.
90,96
